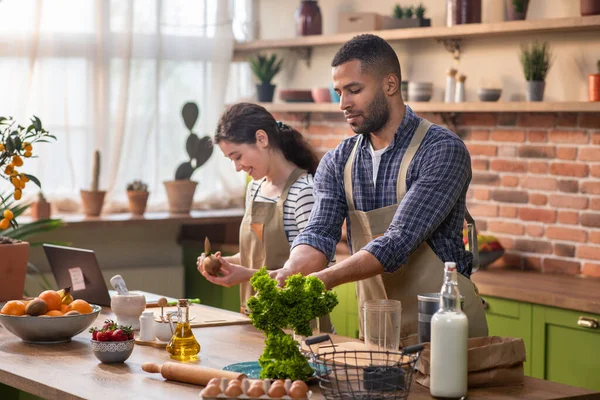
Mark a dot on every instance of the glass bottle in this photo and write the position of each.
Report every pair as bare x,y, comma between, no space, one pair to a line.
183,346
308,18
449,340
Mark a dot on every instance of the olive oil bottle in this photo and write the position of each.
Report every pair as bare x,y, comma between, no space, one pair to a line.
183,346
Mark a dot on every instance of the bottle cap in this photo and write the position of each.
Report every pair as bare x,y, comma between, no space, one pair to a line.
450,265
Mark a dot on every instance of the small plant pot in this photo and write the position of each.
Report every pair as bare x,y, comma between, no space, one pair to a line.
590,7
535,90
511,11
40,210
265,92
137,201
594,87
180,194
395,23
92,202
13,269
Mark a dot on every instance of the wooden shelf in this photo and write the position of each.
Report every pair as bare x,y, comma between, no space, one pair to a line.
556,25
435,107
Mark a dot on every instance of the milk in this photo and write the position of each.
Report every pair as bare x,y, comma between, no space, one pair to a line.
449,332
449,335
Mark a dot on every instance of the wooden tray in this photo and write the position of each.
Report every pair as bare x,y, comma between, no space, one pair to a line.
202,316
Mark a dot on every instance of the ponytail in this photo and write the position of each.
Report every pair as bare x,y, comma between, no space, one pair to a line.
239,124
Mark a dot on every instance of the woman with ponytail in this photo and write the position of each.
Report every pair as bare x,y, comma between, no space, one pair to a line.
279,197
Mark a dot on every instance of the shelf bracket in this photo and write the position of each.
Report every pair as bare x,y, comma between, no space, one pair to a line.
304,53
453,46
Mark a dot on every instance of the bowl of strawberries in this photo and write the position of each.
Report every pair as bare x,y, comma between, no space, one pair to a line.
112,343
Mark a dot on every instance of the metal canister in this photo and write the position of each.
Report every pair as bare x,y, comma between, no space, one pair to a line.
428,304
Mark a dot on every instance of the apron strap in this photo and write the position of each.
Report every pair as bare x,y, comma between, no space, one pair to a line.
415,142
297,173
348,176
472,238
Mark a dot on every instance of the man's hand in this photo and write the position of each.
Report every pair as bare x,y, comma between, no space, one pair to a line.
230,274
281,275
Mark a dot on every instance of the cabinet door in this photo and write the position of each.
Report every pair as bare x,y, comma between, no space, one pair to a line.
345,315
509,318
566,350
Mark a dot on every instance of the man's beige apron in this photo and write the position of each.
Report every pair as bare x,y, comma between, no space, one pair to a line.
262,229
423,272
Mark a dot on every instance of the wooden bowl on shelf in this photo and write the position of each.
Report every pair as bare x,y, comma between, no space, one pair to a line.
296,96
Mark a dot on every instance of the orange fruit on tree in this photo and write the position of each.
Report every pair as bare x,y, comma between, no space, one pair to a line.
80,305
51,298
54,313
13,307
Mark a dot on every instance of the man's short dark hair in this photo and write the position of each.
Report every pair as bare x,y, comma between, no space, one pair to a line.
374,54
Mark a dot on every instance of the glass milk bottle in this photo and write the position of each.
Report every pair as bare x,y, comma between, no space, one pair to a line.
449,335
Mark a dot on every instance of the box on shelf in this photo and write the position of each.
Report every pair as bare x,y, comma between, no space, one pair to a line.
359,22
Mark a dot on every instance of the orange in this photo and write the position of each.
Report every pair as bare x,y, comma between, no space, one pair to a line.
52,299
54,313
13,307
64,308
80,305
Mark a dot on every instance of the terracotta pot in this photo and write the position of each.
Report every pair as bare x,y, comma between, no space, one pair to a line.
40,210
92,202
13,269
137,201
594,87
180,194
513,14
590,7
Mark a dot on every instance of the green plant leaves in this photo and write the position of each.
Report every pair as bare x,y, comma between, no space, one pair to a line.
265,68
34,180
536,60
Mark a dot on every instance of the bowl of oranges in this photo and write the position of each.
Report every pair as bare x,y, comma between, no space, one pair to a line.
51,317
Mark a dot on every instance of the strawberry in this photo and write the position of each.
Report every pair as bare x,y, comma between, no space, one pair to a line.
95,335
109,325
119,335
130,336
103,336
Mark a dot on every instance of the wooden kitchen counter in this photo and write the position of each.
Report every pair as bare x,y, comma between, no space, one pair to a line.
563,291
70,370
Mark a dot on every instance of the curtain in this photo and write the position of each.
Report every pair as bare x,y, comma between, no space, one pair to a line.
113,75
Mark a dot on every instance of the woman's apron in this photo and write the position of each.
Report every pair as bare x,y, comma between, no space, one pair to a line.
423,272
262,229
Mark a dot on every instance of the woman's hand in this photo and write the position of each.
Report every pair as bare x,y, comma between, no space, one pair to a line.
230,274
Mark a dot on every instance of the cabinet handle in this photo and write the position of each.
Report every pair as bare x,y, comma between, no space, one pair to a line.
586,322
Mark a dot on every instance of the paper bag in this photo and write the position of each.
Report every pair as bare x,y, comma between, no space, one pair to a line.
491,361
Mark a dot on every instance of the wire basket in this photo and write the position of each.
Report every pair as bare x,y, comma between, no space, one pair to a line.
363,374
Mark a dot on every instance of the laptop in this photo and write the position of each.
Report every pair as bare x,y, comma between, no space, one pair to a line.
79,269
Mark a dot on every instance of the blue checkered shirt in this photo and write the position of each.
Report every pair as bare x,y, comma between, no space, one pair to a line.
432,209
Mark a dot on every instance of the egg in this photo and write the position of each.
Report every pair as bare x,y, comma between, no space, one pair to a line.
256,390
211,391
235,382
276,390
214,381
233,390
298,390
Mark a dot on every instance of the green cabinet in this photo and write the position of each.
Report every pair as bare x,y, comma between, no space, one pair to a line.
563,350
512,319
559,347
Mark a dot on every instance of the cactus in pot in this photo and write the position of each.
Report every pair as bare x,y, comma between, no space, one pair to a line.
93,199
137,193
180,192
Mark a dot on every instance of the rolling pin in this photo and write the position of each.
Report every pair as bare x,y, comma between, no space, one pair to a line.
193,374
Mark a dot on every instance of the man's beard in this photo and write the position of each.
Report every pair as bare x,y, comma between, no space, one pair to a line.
376,117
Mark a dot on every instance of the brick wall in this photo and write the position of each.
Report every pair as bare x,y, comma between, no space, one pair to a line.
535,186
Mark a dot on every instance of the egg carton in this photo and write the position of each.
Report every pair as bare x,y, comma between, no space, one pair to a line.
249,391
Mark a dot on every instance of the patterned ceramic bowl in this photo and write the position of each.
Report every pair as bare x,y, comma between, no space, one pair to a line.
112,352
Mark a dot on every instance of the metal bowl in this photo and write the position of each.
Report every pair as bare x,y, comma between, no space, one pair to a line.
489,94
48,330
112,352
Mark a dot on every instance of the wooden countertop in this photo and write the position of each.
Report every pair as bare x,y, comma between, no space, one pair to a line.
563,291
70,370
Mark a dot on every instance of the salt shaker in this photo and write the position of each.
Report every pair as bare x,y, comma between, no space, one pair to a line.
450,85
147,326
460,89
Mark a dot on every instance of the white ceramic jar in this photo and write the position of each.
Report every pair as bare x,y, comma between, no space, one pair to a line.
128,308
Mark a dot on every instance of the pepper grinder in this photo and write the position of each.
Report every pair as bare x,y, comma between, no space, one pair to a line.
450,85
460,89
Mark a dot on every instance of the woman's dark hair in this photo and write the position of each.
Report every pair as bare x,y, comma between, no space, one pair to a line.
239,124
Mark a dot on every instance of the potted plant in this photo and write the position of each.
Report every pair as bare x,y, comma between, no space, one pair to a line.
93,199
536,60
594,84
407,17
516,9
40,209
180,192
16,145
137,193
264,69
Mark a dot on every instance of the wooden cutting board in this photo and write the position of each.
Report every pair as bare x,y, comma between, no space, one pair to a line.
202,316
